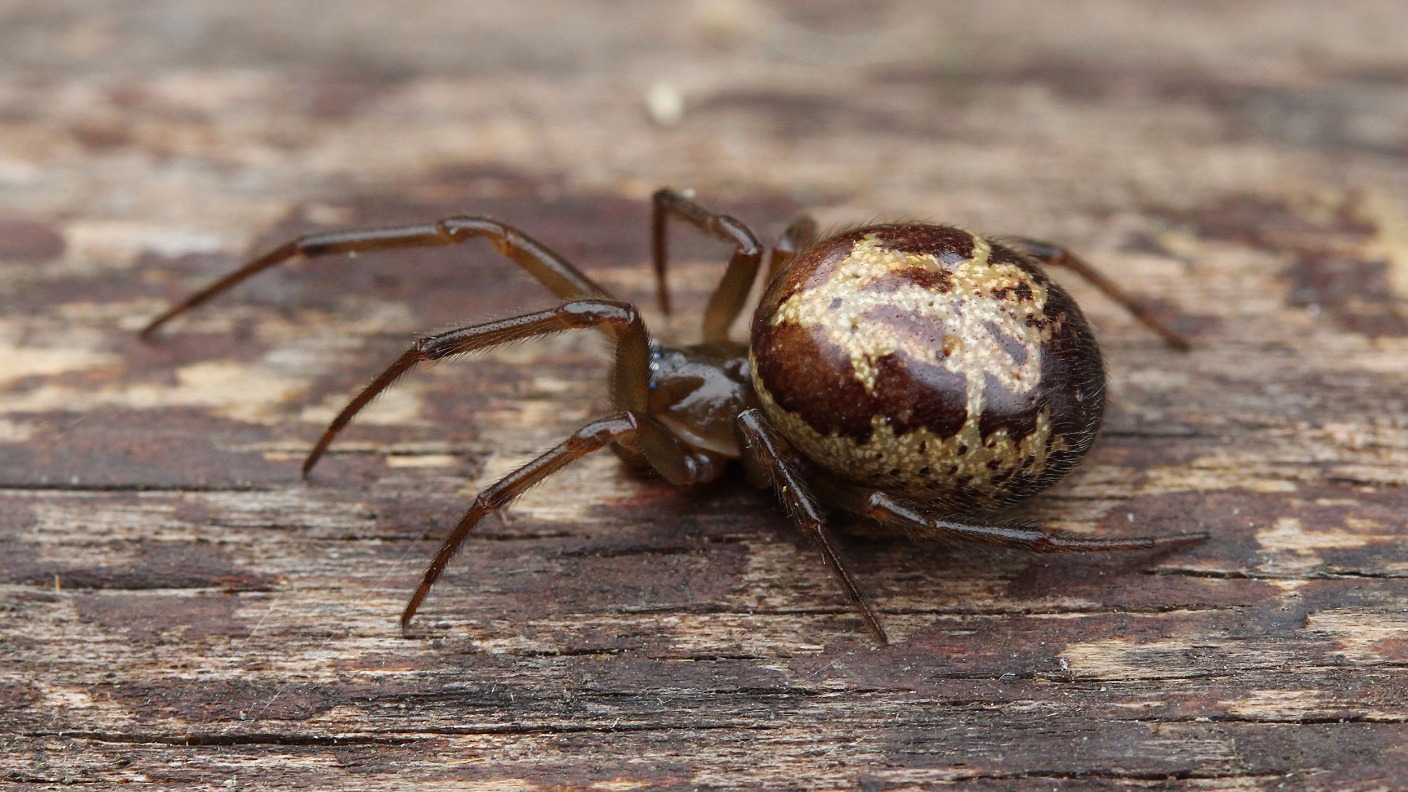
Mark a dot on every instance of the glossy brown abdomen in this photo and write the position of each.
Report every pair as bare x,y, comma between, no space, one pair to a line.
928,362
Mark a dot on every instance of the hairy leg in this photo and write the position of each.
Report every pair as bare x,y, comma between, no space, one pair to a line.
727,300
771,462
1057,256
550,269
912,520
631,380
637,431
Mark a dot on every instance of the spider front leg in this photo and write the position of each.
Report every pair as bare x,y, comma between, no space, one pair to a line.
643,437
640,433
537,260
631,376
913,521
770,461
728,299
1059,256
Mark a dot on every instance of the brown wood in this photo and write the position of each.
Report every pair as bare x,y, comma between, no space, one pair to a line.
180,609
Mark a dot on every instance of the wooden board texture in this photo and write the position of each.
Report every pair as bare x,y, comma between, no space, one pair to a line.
179,610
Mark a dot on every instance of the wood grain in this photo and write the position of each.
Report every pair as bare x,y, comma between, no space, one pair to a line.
179,610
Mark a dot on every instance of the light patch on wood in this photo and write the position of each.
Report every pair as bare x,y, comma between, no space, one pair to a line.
237,391
770,574
1111,658
397,406
292,506
1276,705
1125,659
1296,549
688,633
620,785
488,785
568,415
56,699
329,215
691,634
1288,587
664,102
1382,437
1390,241
18,172
15,431
1181,245
568,495
422,460
1364,635
76,532
1215,473
1374,450
17,363
118,241
533,424
1287,533
53,525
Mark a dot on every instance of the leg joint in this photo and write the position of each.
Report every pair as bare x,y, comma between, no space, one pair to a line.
586,313
735,230
462,227
620,428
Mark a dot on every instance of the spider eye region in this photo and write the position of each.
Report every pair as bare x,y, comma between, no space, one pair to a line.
929,362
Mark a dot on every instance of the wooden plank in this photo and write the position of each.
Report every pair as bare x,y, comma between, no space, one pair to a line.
180,610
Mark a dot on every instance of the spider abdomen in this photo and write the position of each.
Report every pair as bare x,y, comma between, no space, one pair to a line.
929,362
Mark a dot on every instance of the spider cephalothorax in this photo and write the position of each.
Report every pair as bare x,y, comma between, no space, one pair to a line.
919,376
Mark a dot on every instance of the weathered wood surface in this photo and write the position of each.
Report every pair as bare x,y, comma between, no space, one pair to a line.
180,609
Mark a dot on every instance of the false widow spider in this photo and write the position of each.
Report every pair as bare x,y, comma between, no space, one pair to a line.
920,377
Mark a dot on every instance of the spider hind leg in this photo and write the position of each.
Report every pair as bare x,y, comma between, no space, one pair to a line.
1052,255
911,520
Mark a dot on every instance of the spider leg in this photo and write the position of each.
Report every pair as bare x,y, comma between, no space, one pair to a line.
550,269
799,235
727,300
631,380
637,431
770,461
913,521
1058,256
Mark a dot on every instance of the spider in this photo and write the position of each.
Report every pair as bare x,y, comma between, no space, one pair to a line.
917,376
